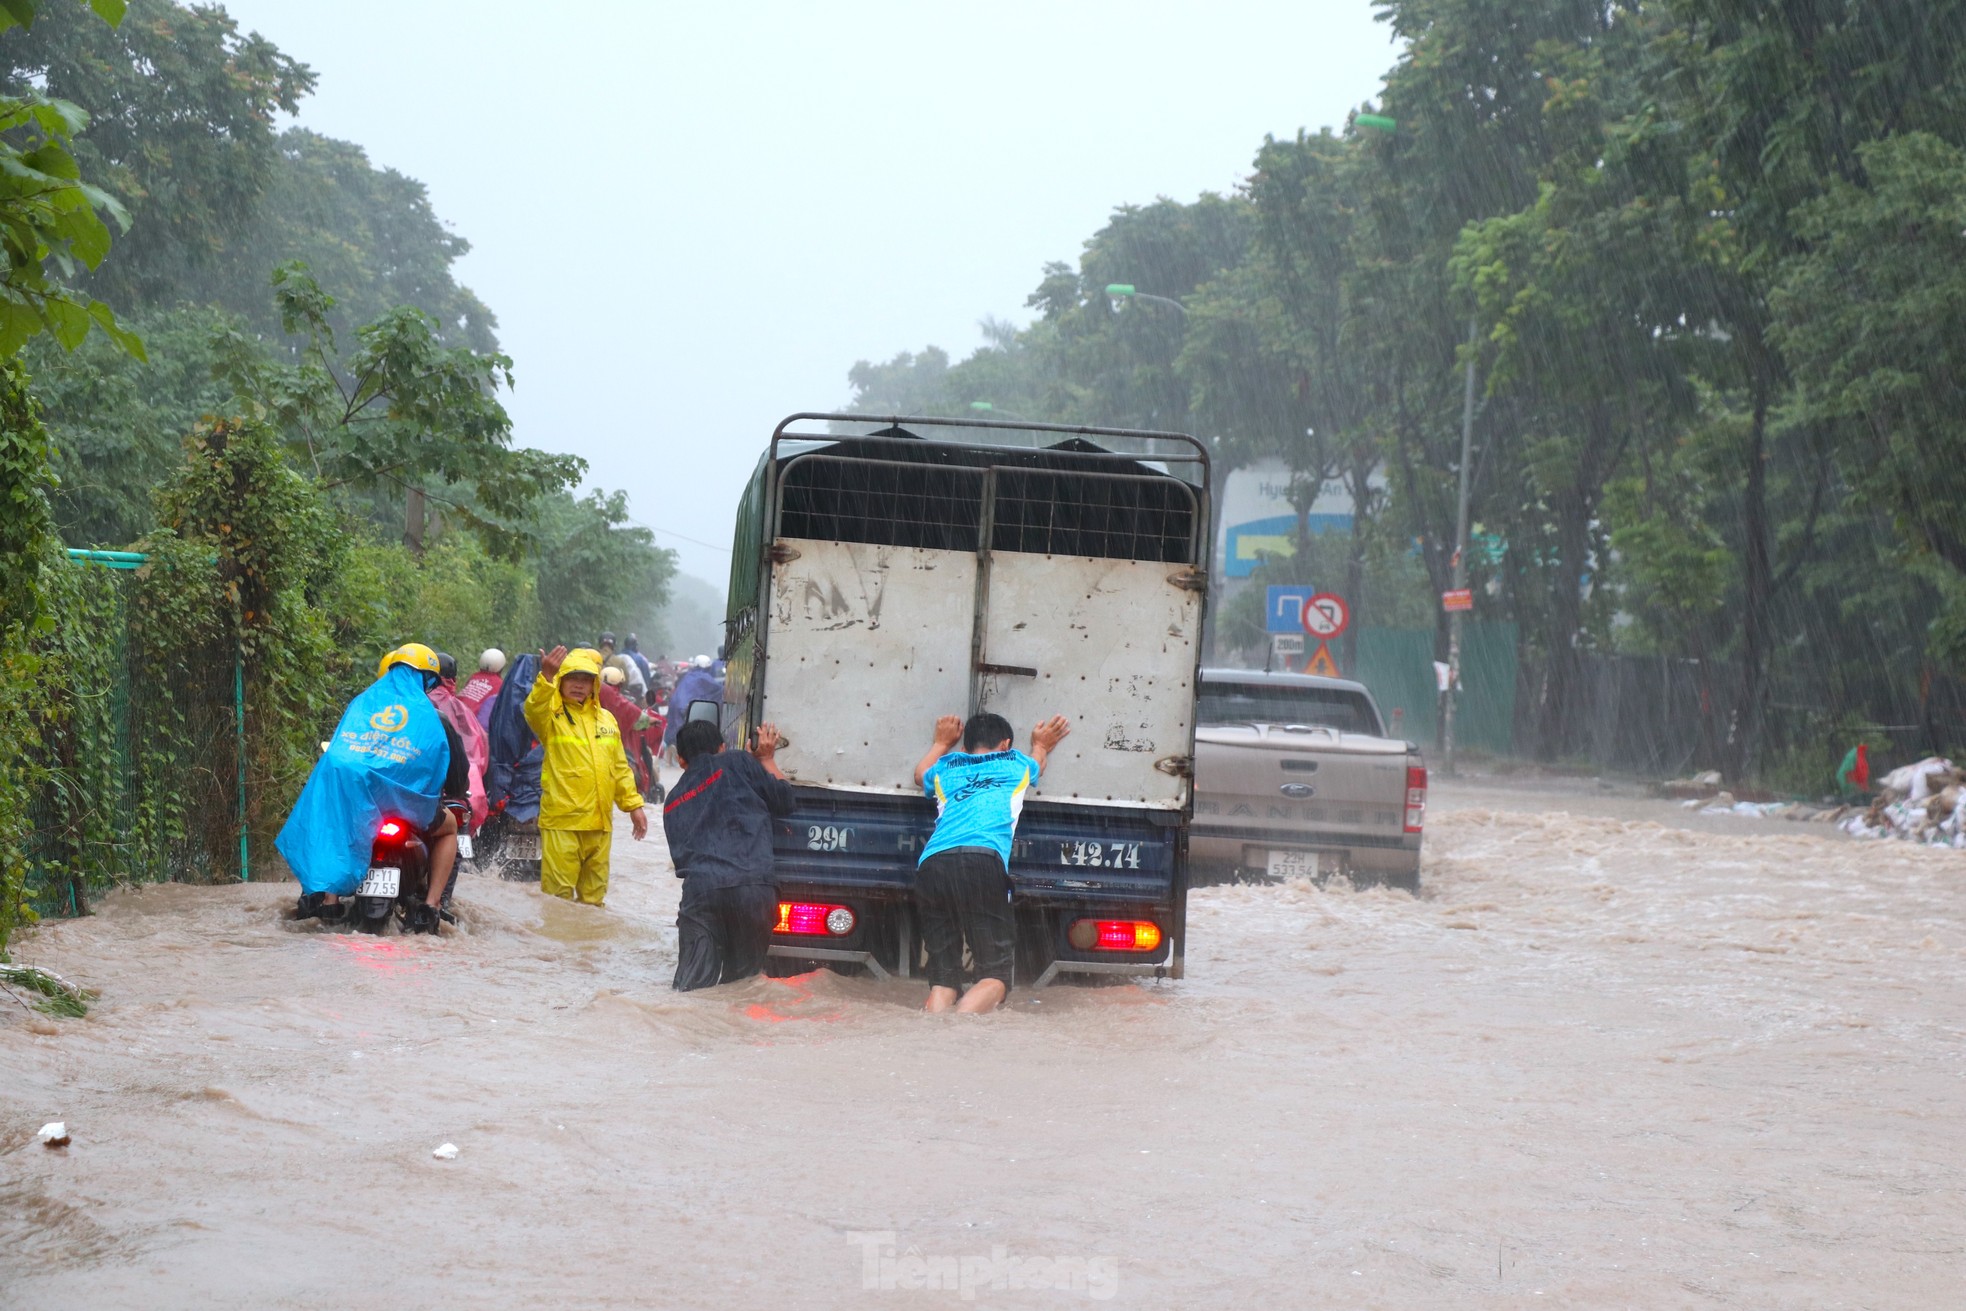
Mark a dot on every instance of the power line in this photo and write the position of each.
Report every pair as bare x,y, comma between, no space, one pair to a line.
679,536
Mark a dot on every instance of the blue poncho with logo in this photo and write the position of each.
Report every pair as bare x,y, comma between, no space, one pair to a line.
387,758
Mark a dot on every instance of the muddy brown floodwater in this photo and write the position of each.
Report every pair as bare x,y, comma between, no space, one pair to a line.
1604,1060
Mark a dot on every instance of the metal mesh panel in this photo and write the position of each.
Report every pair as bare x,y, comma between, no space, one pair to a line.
933,501
882,503
1110,516
140,773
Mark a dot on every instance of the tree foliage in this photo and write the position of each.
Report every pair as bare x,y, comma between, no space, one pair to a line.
398,410
1705,251
597,570
263,452
1871,315
183,135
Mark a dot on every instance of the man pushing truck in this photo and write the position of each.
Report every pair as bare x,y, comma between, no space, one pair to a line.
962,883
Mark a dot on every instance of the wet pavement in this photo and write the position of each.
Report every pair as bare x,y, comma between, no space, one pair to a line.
1612,1055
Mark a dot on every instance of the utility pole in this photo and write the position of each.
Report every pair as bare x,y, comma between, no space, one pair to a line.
1460,559
413,520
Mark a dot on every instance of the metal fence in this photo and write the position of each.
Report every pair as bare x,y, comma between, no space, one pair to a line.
1397,664
1668,717
139,769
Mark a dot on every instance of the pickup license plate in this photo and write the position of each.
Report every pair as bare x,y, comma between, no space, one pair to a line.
383,881
464,846
1303,864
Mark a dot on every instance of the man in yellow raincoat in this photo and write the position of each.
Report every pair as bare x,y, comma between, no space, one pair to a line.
585,771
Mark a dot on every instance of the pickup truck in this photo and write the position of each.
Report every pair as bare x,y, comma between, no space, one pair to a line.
890,571
1295,776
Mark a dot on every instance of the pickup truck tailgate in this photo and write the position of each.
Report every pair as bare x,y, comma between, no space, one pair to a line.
1284,779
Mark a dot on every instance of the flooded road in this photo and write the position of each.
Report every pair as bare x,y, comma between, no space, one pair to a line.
1604,1059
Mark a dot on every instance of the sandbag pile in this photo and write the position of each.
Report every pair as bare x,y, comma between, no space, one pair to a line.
1925,802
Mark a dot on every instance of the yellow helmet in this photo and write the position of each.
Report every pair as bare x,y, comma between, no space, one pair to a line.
414,654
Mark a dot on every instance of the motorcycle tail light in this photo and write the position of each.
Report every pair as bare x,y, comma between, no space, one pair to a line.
392,829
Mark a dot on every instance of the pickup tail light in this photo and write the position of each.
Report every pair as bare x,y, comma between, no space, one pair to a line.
1416,798
1114,935
814,919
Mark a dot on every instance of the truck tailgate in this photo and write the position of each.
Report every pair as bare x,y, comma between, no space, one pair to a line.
1272,778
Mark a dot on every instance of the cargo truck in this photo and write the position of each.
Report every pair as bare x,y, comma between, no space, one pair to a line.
888,572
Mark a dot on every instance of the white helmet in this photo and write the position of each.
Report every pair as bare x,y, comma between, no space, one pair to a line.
492,661
701,662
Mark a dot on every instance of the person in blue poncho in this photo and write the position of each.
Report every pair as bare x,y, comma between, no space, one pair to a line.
698,683
391,755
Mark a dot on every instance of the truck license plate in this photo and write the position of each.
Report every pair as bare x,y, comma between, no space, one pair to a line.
1293,864
383,881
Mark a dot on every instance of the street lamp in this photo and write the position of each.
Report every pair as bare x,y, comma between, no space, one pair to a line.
1127,291
985,408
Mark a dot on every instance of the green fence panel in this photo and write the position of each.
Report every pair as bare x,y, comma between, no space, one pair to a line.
1397,664
138,772
1486,717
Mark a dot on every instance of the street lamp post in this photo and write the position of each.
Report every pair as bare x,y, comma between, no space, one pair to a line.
1127,291
1460,563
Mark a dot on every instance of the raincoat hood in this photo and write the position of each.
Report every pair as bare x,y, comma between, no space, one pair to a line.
580,660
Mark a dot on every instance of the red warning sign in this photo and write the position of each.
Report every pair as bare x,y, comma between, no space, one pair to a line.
1461,599
1326,615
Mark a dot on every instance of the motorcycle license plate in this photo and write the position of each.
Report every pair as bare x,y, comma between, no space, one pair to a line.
523,846
464,846
383,881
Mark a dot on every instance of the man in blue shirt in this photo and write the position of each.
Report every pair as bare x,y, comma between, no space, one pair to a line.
962,886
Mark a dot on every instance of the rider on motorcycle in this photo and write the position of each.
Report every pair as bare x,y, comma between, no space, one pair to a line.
334,807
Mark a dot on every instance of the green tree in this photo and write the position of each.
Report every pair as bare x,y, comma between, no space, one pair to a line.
401,410
118,422
187,108
368,236
184,107
597,571
1871,315
51,223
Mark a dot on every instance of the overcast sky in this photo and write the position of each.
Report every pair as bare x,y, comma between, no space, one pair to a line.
691,219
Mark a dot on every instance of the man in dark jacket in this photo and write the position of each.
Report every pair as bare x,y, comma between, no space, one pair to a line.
718,822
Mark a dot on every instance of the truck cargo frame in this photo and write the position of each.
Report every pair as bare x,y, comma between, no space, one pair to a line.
989,550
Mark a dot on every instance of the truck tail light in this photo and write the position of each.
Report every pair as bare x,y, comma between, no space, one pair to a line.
1416,798
814,918
1114,935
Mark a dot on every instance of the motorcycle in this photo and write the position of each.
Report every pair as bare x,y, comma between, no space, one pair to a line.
398,878
511,846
